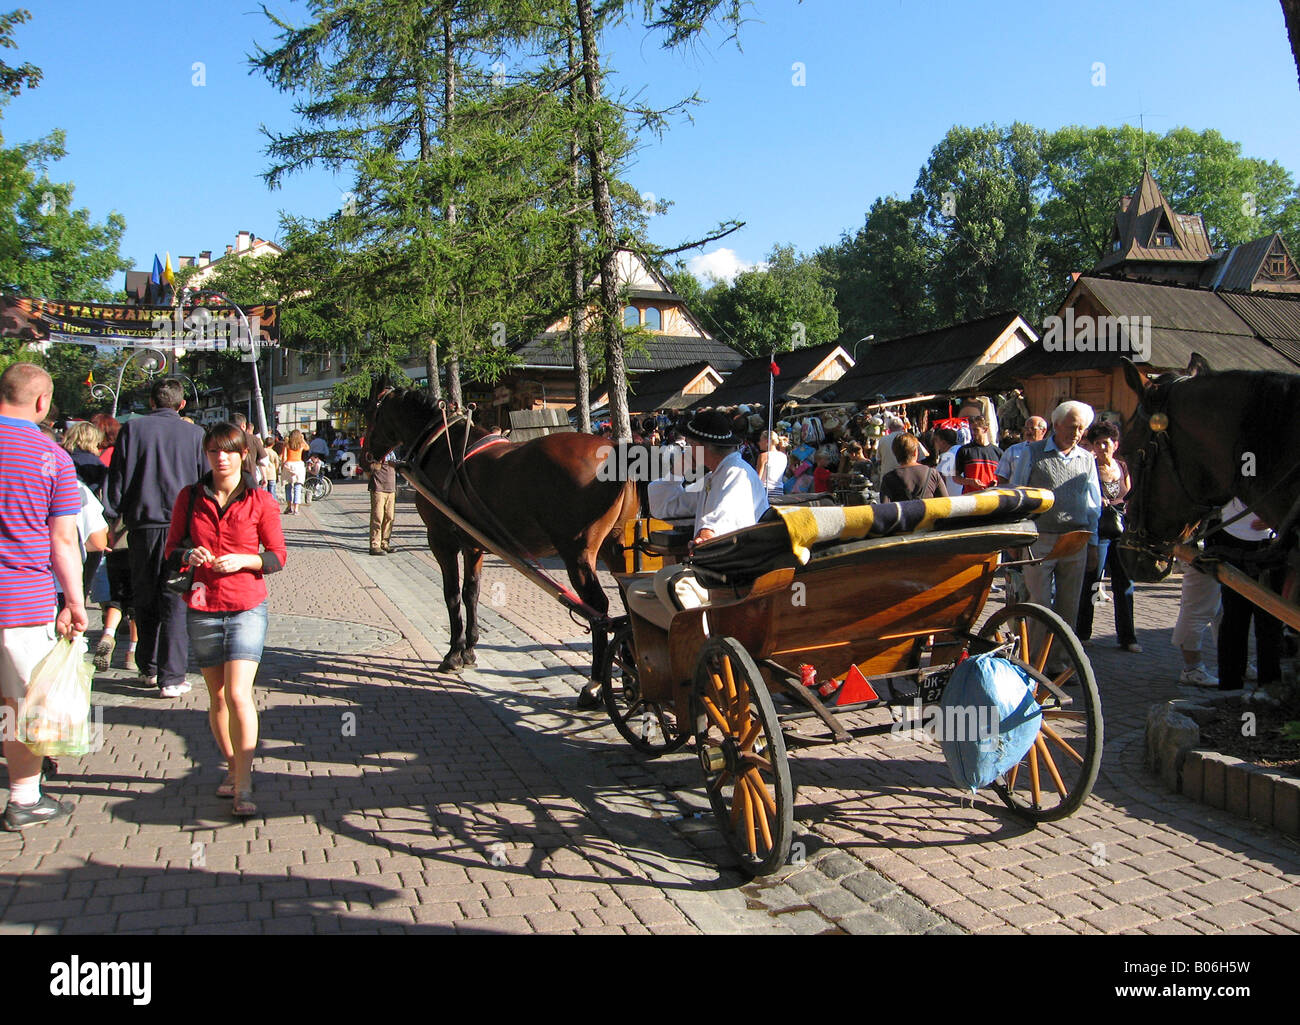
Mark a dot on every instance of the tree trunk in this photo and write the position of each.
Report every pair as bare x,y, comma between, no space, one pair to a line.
578,307
448,109
611,323
431,361
433,385
1291,11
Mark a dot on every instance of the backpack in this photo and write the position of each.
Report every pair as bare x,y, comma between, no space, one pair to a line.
989,719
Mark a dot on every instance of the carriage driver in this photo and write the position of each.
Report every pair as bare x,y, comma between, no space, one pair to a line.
731,495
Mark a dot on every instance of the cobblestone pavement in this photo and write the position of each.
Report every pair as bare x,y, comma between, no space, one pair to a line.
397,799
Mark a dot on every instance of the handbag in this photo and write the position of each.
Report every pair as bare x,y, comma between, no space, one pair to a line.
179,579
1111,524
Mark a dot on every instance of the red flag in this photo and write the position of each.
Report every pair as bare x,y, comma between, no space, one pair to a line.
776,371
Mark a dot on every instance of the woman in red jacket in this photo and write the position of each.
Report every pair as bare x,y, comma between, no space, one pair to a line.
235,539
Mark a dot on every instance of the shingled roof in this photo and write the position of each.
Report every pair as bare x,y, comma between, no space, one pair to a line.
948,360
1255,331
748,383
1146,215
551,350
663,390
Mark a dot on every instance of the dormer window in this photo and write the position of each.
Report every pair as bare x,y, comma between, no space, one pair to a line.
653,319
631,317
1115,246
1276,266
1163,240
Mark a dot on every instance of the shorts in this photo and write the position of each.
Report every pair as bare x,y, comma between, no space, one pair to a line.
220,637
21,647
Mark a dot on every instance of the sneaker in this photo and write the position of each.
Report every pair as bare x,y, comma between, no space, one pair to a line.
104,651
19,816
1134,647
1252,671
377,551
147,681
1198,676
174,690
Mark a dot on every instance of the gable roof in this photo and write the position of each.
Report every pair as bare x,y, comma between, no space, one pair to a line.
664,390
550,350
1141,217
748,383
935,362
1184,320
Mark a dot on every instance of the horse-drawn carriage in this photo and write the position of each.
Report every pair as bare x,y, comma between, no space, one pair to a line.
879,602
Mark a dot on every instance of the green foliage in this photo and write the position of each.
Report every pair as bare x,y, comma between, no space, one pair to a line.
1001,216
12,80
786,305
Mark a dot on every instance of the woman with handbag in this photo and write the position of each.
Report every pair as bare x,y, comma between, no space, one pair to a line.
227,530
1115,484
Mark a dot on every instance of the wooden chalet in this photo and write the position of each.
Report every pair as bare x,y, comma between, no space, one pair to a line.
669,336
804,372
1232,330
1239,308
946,363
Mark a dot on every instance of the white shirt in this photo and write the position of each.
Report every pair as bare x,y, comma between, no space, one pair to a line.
89,520
729,498
774,469
947,467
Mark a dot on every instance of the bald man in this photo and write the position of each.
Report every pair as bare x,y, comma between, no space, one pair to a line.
39,504
1035,430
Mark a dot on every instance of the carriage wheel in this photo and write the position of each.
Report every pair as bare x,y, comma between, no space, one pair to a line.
1058,772
649,726
743,755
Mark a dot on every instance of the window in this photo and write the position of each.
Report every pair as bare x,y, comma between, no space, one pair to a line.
304,364
653,319
327,361
284,362
631,317
1164,239
1277,266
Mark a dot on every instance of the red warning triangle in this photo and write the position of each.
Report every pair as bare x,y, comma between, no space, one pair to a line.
855,689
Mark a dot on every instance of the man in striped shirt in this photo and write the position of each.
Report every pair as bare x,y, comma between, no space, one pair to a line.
39,503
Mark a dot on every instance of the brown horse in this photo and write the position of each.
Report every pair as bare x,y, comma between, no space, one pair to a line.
543,497
1199,439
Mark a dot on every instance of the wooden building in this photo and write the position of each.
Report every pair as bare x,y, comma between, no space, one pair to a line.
950,362
803,372
672,389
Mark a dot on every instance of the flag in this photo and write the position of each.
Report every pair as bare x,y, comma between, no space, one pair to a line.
156,276
90,379
168,276
776,371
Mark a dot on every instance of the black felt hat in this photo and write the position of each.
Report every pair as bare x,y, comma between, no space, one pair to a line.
712,426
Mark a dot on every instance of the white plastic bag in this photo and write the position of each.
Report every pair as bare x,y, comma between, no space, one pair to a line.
54,717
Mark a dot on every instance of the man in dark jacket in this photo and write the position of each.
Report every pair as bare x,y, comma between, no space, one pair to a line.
155,458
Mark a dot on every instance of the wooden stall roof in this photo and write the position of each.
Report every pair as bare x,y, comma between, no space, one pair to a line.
748,383
666,389
1144,215
1233,331
947,360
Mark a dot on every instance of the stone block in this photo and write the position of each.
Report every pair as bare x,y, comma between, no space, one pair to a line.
1286,805
1259,785
1237,789
1194,774
1169,735
1216,778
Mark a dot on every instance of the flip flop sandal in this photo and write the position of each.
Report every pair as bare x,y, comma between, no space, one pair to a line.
226,788
244,807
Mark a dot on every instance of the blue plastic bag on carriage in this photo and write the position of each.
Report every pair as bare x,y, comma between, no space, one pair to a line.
989,719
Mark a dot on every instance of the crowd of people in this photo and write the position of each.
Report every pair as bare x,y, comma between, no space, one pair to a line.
188,530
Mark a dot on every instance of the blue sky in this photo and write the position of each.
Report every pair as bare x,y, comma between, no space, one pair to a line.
883,81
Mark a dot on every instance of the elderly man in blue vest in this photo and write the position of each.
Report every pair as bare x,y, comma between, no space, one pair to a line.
1060,464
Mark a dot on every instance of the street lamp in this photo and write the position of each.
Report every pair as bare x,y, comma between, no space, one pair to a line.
153,364
260,413
869,338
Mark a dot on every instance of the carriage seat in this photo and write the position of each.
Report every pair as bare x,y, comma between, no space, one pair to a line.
659,596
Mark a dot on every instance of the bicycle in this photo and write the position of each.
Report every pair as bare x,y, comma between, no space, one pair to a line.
317,486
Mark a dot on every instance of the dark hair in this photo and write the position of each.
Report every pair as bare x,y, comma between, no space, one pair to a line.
1103,429
167,393
977,422
239,420
225,437
905,447
948,435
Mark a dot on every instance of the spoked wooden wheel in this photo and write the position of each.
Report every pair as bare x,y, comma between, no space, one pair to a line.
649,726
1058,772
742,752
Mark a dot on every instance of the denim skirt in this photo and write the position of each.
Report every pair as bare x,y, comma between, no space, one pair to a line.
220,637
